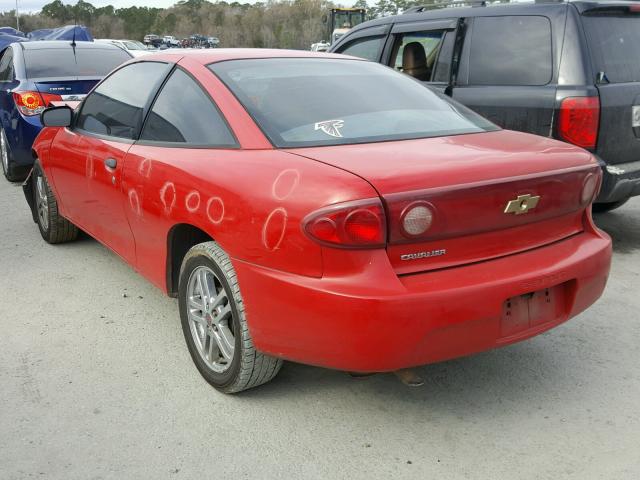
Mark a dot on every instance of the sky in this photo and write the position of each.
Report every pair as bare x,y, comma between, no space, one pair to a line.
36,5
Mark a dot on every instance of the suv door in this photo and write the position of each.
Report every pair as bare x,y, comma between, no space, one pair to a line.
613,37
87,161
423,50
507,71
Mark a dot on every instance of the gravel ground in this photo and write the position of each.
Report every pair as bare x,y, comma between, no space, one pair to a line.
96,385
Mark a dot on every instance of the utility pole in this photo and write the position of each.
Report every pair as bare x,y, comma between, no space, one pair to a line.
17,17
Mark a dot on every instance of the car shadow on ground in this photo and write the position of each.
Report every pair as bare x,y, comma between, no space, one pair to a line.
528,374
623,225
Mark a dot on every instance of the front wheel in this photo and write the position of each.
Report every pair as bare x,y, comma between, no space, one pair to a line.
53,227
215,325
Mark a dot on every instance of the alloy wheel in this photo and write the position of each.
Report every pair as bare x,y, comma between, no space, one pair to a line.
210,319
4,151
42,202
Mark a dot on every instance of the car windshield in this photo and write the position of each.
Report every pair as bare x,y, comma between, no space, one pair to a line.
614,38
323,101
61,62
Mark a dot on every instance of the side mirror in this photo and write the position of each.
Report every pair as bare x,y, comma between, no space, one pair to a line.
57,116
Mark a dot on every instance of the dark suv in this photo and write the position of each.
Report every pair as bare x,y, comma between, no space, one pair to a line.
565,70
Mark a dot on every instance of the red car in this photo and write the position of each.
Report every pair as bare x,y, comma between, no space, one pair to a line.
321,209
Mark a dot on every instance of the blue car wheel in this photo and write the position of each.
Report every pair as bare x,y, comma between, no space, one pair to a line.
8,168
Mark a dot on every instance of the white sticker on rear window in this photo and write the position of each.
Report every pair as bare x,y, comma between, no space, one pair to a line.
331,127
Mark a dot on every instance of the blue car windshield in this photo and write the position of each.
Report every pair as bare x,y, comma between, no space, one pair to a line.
324,101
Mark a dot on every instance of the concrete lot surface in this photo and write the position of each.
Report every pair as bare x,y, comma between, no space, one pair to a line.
96,385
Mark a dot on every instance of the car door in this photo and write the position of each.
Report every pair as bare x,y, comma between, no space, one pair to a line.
507,71
87,160
185,140
423,50
7,84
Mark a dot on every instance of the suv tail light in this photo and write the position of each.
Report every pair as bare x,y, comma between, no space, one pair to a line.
579,120
31,103
359,224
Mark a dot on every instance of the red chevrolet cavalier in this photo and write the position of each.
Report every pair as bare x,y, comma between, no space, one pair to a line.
321,209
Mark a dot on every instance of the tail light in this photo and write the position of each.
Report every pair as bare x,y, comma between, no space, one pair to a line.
359,224
31,103
579,120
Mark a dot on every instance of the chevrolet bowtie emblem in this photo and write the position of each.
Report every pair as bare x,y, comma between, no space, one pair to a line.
522,204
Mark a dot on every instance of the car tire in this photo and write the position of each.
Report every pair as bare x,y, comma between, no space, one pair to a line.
607,207
53,227
213,318
10,171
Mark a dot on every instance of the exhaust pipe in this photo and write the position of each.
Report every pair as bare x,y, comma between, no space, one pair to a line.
410,377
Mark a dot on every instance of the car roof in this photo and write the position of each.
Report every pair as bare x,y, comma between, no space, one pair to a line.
207,56
52,44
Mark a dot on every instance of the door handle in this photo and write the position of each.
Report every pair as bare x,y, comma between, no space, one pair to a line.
111,163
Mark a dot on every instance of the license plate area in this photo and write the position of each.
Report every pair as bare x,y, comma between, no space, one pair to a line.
531,310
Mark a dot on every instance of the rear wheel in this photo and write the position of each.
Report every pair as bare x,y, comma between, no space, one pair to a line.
607,207
53,227
10,171
215,325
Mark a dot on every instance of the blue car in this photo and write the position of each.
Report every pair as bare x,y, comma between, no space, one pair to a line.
32,75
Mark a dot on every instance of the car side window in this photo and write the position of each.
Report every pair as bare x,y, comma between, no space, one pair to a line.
368,48
511,50
6,66
184,113
115,107
415,53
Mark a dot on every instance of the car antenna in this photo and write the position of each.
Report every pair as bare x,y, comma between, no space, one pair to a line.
73,39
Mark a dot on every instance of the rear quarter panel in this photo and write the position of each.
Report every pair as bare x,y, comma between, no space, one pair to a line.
251,202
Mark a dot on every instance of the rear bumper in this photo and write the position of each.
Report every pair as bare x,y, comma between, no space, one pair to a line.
619,181
375,321
21,140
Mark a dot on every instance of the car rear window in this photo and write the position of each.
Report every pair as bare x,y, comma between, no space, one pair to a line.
614,41
61,62
316,101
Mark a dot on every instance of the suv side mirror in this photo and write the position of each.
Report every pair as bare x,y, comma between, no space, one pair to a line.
57,116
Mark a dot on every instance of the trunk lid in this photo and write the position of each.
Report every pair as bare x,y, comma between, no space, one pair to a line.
613,36
69,90
468,182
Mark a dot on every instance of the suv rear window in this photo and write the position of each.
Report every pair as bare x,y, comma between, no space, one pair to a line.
314,101
61,62
614,41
